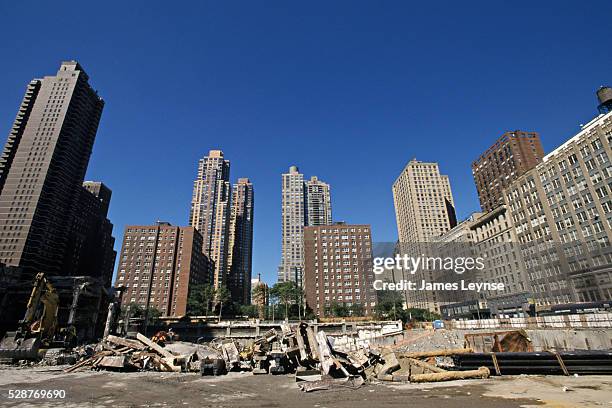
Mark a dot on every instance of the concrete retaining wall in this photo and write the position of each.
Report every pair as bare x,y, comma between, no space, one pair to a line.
591,320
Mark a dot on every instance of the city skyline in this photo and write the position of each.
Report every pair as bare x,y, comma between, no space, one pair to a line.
250,107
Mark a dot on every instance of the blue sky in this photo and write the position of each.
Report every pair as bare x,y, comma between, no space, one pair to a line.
347,90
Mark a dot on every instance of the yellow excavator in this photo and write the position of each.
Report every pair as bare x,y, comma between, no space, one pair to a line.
38,327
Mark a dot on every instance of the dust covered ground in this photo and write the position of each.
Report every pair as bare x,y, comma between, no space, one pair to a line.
153,389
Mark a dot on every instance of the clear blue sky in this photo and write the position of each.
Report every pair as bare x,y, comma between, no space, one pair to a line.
347,90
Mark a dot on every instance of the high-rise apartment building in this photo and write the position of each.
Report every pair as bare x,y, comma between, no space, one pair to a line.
303,203
292,226
513,154
210,211
424,206
42,169
318,202
90,249
338,267
424,209
159,264
562,212
241,241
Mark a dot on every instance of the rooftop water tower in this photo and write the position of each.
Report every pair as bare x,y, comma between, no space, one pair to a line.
604,94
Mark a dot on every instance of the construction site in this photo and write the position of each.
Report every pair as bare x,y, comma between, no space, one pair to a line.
557,361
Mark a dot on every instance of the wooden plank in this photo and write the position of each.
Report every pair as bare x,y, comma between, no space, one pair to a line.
112,362
90,360
79,365
159,349
426,366
136,345
482,372
301,345
312,343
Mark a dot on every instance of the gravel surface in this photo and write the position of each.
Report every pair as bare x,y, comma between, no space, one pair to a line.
152,389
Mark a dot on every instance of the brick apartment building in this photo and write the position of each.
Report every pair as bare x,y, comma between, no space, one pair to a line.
338,267
159,264
511,156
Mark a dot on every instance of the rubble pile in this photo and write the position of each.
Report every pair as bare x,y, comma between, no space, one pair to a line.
431,340
299,349
118,353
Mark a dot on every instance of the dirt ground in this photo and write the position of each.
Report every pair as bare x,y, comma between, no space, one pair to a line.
149,389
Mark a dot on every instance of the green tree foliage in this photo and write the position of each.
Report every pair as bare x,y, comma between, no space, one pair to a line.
357,310
287,293
200,300
391,306
135,311
249,310
222,295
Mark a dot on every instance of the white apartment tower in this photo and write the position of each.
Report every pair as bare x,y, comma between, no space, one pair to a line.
424,206
318,202
303,204
424,210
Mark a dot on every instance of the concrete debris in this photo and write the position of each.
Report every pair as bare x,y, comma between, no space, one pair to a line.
298,349
117,353
331,383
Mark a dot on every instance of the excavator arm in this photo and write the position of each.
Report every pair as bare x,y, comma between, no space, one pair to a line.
37,326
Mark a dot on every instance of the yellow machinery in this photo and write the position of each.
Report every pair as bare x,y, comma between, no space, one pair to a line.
37,328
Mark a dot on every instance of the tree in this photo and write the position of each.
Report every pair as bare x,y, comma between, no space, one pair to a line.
357,310
200,299
152,315
131,310
248,310
285,292
260,293
422,315
222,295
390,304
339,309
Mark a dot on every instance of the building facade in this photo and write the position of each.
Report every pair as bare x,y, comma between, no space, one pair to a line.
424,206
42,170
497,242
513,154
159,264
303,204
292,226
90,249
259,300
424,210
562,212
318,202
210,211
338,268
241,241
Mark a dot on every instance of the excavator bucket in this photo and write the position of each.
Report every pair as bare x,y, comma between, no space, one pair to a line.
16,347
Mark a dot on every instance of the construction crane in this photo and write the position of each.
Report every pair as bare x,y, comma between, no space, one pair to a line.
38,327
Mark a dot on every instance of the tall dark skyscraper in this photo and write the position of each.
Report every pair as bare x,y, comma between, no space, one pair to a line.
49,220
90,250
241,241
